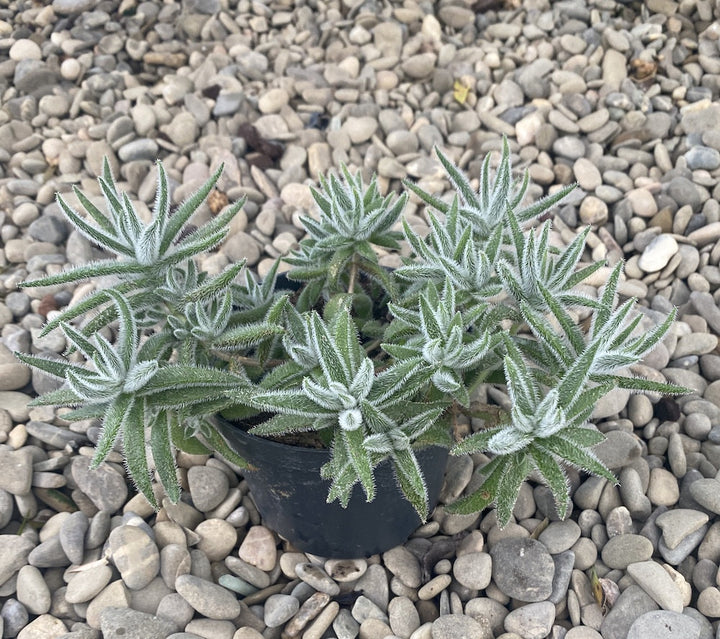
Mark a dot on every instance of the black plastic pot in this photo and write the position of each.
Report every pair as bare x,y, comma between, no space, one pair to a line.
291,497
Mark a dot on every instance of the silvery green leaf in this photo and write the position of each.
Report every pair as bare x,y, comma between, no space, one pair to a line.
326,398
282,425
376,420
91,388
102,237
139,375
134,447
331,360
508,488
509,440
554,476
485,494
164,454
360,459
577,456
411,480
185,211
350,419
55,368
116,416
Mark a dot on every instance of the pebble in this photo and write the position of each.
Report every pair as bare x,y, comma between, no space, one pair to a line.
132,624
207,598
104,486
258,548
317,578
532,621
135,555
656,582
678,523
622,550
706,492
86,584
658,253
663,624
403,564
473,570
522,569
279,609
32,591
16,471
456,627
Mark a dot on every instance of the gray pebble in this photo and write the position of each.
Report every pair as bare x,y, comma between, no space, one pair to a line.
473,570
678,523
663,624
621,550
72,536
48,228
16,471
656,582
706,492
32,591
208,486
531,621
105,487
279,609
135,555
317,578
14,616
207,598
631,604
132,624
457,627
522,569
404,565
364,608
560,536
49,554
675,556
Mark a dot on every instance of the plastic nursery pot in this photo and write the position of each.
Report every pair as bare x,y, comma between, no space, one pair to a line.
291,497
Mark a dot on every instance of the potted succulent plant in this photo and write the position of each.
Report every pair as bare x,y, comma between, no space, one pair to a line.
361,370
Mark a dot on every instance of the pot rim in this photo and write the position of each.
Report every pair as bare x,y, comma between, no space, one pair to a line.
224,423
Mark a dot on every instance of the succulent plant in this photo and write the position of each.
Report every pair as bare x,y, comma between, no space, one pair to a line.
375,362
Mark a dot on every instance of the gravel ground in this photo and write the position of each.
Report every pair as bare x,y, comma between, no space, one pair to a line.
621,97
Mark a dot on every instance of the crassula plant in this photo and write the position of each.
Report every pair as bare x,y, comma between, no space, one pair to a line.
344,353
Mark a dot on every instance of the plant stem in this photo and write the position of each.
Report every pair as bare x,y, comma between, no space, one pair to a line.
353,274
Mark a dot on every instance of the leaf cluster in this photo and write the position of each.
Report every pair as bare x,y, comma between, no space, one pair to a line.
376,363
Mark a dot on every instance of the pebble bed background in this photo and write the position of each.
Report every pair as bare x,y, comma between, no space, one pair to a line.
621,97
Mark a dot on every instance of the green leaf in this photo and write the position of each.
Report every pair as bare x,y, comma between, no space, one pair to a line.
411,480
360,460
113,424
164,455
516,472
475,443
55,368
247,336
331,360
576,456
485,494
104,239
282,425
215,285
91,270
554,476
218,444
135,455
185,211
